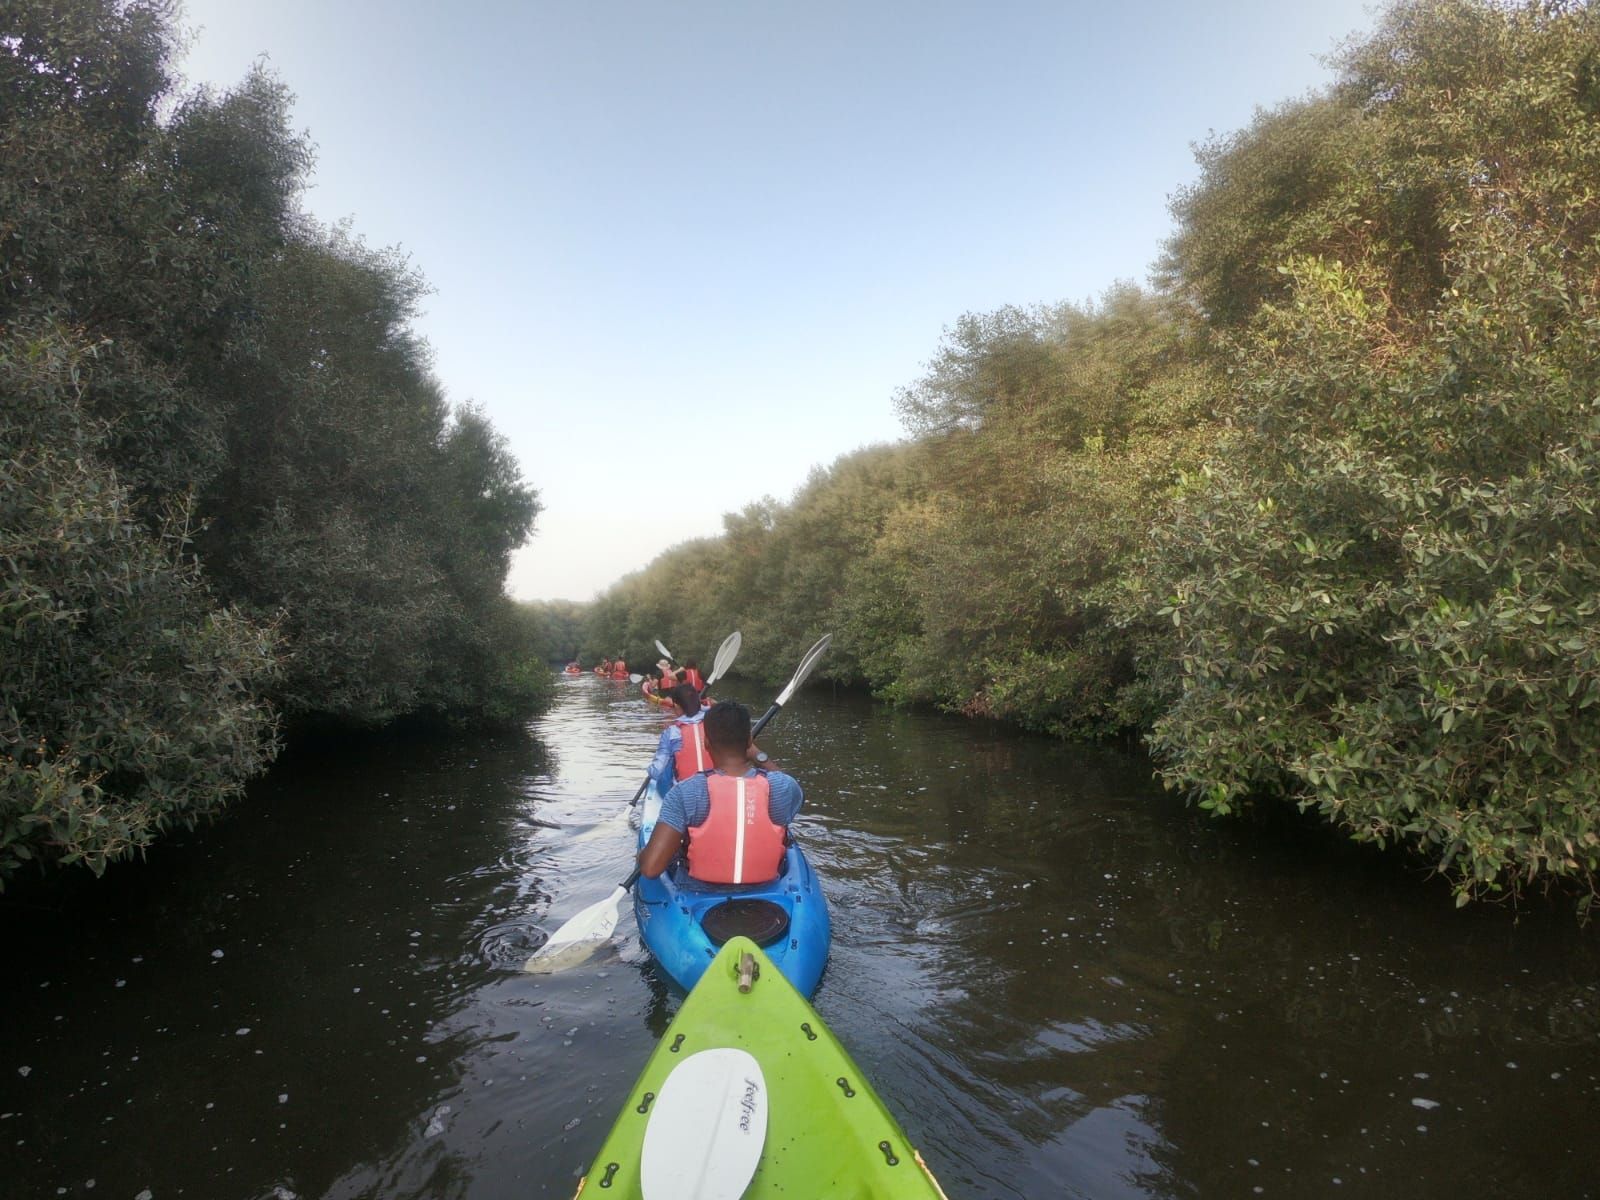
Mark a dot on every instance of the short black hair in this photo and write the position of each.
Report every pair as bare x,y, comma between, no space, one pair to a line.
728,725
687,697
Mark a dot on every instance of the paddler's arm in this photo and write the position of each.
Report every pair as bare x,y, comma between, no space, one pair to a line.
660,850
661,765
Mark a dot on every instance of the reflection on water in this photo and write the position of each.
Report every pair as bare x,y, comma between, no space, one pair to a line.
1064,983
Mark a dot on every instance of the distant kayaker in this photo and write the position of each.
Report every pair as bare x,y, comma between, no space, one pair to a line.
682,751
692,676
735,816
604,668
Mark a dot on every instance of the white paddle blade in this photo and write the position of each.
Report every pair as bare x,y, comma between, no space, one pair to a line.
579,937
665,653
726,653
807,665
707,1128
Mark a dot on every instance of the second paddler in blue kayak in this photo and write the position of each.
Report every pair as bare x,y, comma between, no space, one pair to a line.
728,805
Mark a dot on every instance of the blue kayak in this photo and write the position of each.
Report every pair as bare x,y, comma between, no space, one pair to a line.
684,922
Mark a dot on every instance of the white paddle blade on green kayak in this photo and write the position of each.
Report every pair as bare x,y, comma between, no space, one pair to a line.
580,937
707,1128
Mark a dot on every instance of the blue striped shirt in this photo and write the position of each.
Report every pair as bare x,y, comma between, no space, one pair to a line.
689,803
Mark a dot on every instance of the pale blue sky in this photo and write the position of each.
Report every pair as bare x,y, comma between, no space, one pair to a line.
722,234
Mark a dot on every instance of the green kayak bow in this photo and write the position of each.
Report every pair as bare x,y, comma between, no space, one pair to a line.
750,1095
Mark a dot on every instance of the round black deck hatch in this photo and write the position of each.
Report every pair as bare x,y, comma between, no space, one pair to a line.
762,921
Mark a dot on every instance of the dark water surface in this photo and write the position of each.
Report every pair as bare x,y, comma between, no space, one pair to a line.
1061,981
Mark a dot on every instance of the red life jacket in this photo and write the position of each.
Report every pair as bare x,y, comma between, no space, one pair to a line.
692,675
619,671
692,756
738,842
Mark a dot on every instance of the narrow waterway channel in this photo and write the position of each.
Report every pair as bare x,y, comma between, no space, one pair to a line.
1063,982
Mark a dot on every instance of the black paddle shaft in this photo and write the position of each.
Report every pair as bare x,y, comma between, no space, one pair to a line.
765,717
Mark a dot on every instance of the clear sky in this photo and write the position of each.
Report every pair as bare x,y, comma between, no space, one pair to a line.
711,238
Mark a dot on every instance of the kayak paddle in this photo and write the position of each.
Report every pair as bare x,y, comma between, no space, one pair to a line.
665,653
807,665
576,940
720,665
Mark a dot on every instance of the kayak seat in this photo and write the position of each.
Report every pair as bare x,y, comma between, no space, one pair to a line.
762,921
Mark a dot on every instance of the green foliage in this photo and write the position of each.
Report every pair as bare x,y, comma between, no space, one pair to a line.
1319,513
131,700
561,625
354,504
1385,593
976,568
1043,501
230,476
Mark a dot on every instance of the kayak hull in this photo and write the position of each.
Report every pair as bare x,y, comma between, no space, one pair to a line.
828,1133
669,911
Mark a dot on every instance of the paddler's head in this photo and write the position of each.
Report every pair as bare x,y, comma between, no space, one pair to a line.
685,699
728,736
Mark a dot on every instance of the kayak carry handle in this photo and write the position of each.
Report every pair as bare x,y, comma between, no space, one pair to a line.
749,972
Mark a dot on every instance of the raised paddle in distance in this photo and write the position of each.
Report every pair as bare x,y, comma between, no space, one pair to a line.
665,653
574,941
726,653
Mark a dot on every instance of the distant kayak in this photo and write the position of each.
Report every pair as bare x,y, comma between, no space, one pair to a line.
683,921
750,1094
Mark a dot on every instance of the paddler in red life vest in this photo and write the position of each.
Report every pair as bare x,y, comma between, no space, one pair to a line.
691,675
734,816
682,751
604,668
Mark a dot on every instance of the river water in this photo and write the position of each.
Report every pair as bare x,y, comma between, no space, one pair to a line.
1062,981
